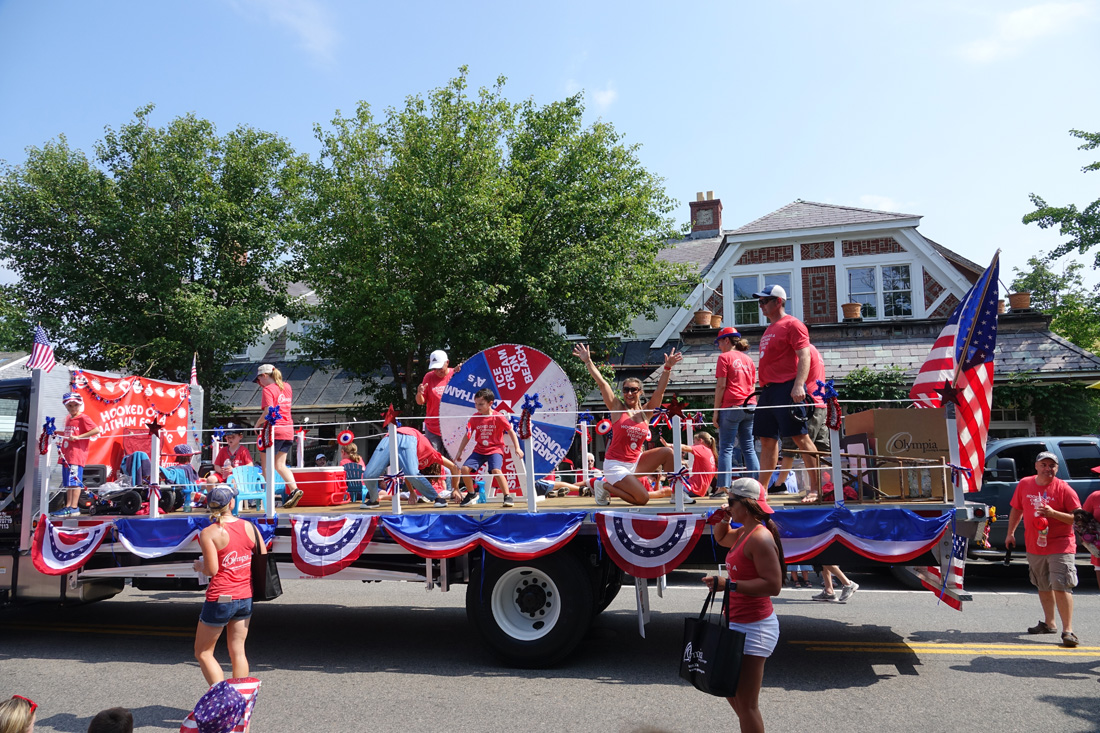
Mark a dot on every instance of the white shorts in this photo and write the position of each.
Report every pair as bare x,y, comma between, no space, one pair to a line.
616,471
760,636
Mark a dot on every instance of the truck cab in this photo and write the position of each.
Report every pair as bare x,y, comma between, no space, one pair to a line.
1009,460
15,400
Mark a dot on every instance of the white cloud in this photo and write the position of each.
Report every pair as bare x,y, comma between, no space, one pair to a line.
1016,29
604,98
881,203
306,19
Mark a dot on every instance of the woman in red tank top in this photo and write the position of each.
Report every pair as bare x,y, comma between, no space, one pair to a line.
625,456
755,566
227,558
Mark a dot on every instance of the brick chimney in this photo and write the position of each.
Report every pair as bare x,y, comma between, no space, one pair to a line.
706,214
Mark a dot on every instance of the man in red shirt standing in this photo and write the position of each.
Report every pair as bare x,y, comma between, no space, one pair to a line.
430,392
784,369
1046,504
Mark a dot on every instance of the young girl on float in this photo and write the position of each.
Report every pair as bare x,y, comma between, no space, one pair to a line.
626,457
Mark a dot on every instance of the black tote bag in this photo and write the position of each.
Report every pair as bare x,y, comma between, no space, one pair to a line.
712,652
266,585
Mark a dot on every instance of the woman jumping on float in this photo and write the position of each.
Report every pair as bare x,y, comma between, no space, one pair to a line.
629,431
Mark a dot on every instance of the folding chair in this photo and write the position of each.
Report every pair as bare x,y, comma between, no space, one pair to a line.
353,475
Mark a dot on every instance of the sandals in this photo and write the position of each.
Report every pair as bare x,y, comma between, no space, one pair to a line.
1042,628
1070,639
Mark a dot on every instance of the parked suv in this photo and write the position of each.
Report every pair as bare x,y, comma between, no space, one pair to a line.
1009,460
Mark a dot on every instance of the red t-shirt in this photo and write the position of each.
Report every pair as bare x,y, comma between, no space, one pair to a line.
778,347
345,461
702,469
240,457
817,373
487,433
434,386
234,577
272,396
745,609
426,454
76,451
1092,506
628,437
740,373
1058,495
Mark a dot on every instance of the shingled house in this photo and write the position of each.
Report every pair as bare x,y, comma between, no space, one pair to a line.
826,255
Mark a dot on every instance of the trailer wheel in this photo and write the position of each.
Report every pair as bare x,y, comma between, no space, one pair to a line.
612,585
533,613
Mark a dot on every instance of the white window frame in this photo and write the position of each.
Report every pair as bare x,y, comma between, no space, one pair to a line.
762,279
880,300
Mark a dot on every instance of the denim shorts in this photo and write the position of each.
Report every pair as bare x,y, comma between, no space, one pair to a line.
477,460
219,614
283,446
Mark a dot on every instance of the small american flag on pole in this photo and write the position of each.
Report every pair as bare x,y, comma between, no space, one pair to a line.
961,364
954,577
42,353
194,370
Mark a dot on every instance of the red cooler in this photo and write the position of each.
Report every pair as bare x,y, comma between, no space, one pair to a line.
321,486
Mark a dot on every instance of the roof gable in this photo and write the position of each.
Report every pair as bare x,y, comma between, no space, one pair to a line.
810,215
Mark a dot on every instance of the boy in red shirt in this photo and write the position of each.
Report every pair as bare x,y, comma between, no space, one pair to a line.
79,429
487,429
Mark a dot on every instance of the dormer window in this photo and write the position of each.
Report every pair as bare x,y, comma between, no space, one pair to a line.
882,289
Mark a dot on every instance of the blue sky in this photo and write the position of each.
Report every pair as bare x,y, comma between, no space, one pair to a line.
954,110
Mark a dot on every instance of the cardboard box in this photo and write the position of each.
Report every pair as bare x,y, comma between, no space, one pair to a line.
908,433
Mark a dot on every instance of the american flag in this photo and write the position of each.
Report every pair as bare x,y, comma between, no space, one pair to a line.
965,347
42,353
954,577
194,370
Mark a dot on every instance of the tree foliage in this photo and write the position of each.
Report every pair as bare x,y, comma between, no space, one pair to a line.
865,383
462,220
166,243
1082,227
1060,408
1075,310
15,329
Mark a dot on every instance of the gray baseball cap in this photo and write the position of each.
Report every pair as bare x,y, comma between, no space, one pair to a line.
1045,455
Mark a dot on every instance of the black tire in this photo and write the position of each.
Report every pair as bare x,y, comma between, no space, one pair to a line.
128,503
613,583
178,503
531,614
167,500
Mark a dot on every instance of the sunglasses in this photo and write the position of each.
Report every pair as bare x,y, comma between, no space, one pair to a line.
631,390
765,301
32,703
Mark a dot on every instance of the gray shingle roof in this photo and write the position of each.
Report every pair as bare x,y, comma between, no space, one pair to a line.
314,387
699,253
1045,354
808,215
8,358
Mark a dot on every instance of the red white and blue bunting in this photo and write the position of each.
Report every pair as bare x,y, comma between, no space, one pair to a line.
59,550
509,536
891,535
323,546
649,546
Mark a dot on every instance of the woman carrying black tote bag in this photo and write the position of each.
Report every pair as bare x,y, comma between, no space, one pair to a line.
266,585
755,566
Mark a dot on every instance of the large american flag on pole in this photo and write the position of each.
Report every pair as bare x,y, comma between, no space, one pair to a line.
960,367
42,353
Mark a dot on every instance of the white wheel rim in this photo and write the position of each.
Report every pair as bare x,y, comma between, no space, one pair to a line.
512,603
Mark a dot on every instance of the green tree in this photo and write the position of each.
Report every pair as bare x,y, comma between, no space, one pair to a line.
865,383
15,329
1074,309
1062,408
1082,227
460,221
167,243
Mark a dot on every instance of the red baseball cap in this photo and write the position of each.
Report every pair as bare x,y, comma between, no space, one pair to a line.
728,332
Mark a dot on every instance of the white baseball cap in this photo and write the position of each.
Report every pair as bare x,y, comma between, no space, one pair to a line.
772,291
437,359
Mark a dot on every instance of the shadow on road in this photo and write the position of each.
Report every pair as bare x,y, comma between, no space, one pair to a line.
1030,668
1087,709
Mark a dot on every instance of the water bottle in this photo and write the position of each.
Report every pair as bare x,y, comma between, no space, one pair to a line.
481,497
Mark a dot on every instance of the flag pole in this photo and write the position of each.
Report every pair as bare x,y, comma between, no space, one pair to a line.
970,333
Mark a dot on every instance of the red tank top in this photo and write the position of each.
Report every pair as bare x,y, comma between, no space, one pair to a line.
234,576
628,437
745,609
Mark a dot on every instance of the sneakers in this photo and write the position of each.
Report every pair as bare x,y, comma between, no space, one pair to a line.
824,596
66,511
688,498
1042,628
440,503
600,492
846,591
293,499
470,498
509,500
371,504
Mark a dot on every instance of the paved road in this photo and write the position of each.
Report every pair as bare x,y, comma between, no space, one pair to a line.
890,660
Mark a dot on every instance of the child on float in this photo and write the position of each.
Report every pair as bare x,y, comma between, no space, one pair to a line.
232,454
79,429
626,458
488,429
